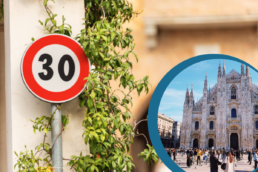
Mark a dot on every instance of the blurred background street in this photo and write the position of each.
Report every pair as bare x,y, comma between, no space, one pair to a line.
168,32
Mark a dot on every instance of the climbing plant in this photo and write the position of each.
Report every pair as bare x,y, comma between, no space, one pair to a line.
1,9
108,126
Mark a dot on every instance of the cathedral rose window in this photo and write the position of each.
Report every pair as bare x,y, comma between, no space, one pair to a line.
233,92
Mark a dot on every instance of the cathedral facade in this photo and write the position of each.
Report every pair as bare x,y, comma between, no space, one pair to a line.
226,116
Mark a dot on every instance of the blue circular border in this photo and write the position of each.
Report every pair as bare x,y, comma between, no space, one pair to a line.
157,95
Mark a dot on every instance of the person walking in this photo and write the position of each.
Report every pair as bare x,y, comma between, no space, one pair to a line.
249,156
255,158
174,154
218,151
189,162
238,155
214,162
230,163
168,152
199,153
195,155
206,154
187,153
242,154
223,154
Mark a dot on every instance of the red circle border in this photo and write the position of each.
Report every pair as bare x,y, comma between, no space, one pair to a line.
35,88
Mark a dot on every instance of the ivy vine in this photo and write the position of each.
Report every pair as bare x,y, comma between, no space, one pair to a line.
1,10
107,117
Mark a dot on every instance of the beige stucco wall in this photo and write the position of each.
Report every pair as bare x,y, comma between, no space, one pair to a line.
165,8
3,154
21,24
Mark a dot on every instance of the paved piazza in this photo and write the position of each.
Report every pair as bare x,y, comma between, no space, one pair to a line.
242,166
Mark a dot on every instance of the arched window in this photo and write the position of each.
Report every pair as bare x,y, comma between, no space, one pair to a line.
256,124
197,125
255,109
211,125
233,92
233,113
212,110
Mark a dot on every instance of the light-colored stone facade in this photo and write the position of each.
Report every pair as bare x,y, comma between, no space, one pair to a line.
225,116
165,125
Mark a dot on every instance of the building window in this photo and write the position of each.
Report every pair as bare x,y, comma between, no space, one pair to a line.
233,113
256,124
197,125
172,137
233,92
212,110
211,125
255,109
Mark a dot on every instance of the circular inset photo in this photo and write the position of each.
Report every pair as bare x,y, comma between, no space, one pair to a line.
203,116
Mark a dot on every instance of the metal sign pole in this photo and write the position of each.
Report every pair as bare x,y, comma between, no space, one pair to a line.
56,137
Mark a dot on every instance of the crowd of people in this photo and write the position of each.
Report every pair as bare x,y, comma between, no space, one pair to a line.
229,158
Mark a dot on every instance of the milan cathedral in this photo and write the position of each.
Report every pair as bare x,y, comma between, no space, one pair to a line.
226,116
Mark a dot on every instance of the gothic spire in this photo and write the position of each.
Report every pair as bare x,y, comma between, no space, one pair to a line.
224,69
192,92
242,70
187,95
205,82
219,70
247,71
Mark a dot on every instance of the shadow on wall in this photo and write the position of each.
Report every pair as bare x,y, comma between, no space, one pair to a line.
139,141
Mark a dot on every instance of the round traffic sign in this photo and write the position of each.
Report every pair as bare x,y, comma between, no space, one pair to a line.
53,68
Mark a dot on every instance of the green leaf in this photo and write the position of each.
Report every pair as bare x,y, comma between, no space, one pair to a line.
45,130
45,3
135,56
41,22
90,102
82,102
93,95
102,138
113,35
113,164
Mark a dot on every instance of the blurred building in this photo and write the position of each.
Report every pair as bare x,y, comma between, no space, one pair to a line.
176,134
165,125
171,31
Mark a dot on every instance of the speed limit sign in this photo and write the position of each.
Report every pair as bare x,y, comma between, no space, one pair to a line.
54,67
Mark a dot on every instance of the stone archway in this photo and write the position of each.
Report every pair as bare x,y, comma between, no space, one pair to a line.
195,143
234,136
234,141
210,143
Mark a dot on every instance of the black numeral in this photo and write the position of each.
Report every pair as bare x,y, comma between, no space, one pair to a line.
71,68
50,72
61,64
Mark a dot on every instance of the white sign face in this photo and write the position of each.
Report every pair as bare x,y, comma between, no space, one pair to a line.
54,67
56,83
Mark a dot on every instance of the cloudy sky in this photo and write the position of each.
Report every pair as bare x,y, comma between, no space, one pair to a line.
173,99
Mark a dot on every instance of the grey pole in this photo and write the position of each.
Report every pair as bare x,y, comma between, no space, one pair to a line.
57,153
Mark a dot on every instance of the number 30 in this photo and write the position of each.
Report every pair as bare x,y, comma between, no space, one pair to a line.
61,63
